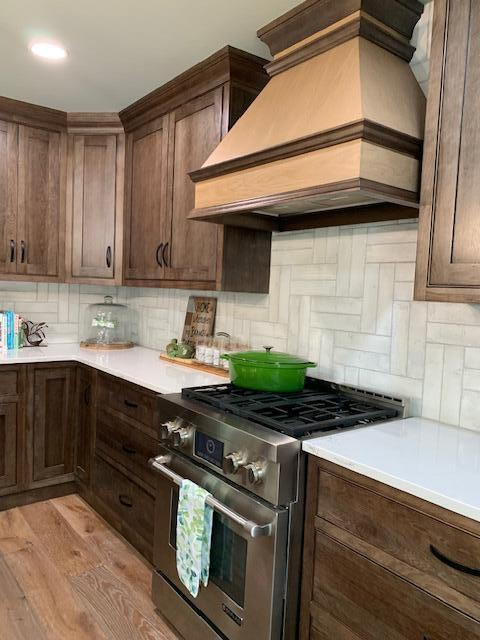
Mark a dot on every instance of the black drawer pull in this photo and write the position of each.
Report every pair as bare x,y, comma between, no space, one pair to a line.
125,500
23,251
86,395
128,449
12,250
132,405
108,257
157,254
453,564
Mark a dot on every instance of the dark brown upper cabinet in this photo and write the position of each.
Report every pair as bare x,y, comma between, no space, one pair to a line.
95,185
32,178
38,212
8,195
194,132
146,198
448,258
171,132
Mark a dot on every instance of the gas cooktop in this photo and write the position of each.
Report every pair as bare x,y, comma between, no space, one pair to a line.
321,406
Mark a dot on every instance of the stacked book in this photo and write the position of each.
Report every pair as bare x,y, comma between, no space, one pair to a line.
11,336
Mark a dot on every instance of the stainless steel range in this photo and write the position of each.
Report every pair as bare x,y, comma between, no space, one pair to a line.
244,447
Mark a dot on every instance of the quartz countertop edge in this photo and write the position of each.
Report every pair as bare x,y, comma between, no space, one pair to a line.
139,365
436,462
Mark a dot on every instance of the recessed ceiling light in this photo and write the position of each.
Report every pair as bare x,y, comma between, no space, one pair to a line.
48,50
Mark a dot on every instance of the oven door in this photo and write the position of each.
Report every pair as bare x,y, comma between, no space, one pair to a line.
245,592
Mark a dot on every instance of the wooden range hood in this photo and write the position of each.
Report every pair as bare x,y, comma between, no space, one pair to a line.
336,135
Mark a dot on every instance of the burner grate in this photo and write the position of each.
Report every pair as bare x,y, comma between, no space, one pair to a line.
319,407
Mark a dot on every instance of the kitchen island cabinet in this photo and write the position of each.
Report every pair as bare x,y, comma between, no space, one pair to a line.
171,132
381,563
448,258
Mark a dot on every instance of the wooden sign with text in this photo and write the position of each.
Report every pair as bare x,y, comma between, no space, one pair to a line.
199,319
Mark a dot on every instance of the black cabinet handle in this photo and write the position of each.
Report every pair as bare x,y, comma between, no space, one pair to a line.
129,449
157,254
108,257
23,251
165,255
125,500
453,564
12,250
86,395
132,405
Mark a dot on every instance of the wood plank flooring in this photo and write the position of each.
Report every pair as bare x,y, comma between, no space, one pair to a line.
66,575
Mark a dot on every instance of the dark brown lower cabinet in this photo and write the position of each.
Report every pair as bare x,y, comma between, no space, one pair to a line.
373,566
51,423
125,505
85,422
62,432
12,428
356,598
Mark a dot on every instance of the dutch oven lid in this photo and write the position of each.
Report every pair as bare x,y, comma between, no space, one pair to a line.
271,358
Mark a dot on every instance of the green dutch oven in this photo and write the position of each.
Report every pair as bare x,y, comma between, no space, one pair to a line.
268,370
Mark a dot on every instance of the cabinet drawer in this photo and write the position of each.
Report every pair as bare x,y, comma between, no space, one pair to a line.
127,445
8,382
421,541
374,604
132,507
127,399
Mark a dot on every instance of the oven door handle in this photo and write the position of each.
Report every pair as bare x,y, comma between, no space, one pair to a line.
253,529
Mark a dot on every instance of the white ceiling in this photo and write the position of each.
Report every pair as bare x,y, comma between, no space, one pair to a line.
119,49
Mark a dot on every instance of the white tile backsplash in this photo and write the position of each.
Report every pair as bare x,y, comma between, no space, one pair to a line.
370,335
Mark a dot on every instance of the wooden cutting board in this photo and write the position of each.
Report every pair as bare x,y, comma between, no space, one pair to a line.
193,364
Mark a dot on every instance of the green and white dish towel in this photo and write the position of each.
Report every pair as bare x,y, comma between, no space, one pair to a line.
194,535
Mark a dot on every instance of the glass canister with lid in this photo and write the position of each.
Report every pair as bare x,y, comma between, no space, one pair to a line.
107,325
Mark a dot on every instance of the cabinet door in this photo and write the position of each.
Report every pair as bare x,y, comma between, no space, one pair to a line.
52,421
195,131
39,220
8,445
85,424
146,192
93,207
451,174
8,196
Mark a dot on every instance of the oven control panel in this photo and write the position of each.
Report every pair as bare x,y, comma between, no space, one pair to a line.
209,449
249,456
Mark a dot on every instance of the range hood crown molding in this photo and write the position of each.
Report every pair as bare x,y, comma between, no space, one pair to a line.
313,16
339,125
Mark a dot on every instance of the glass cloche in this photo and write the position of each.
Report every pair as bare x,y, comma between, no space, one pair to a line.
107,326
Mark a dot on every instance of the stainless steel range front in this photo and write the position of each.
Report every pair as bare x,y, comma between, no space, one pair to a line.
256,477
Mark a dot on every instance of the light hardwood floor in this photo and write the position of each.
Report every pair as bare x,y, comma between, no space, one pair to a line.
66,575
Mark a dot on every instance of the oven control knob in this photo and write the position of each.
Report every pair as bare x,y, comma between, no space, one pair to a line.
254,472
167,429
233,461
181,436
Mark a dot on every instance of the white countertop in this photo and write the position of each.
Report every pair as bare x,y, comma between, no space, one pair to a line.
434,461
138,365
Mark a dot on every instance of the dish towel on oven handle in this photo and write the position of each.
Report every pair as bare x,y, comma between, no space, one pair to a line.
194,535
